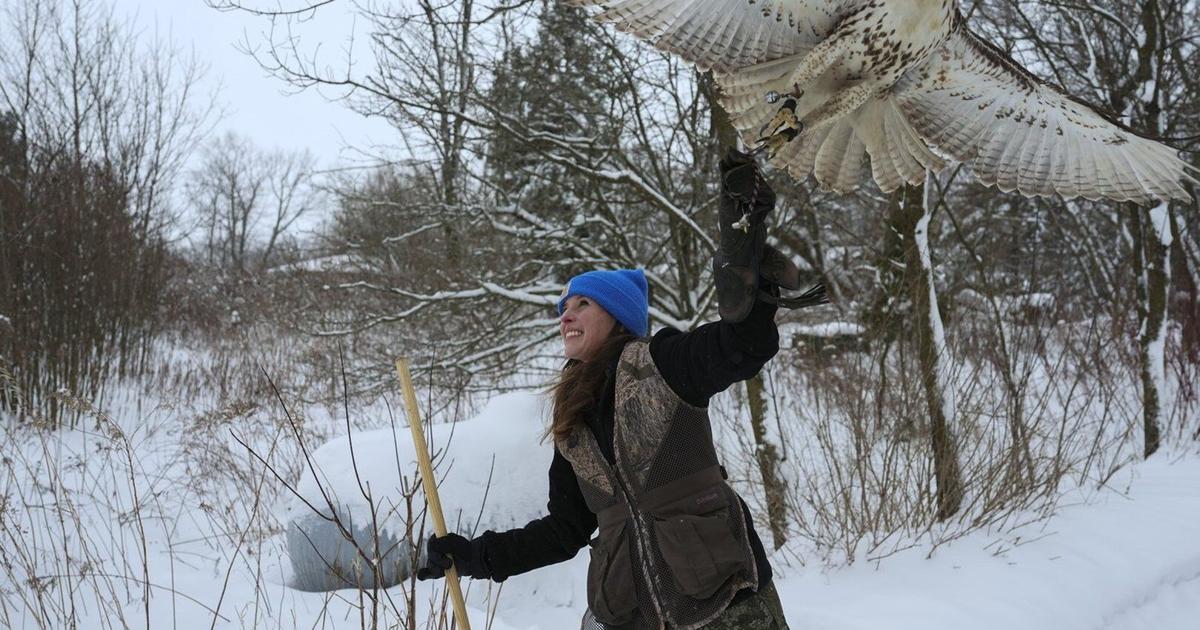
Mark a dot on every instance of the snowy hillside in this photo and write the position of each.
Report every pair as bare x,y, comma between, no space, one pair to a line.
1124,557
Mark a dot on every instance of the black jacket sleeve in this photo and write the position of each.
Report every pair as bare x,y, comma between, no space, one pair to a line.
701,363
556,537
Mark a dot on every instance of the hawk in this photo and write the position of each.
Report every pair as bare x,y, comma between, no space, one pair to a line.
906,83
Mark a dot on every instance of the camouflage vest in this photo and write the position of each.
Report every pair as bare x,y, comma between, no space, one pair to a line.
672,548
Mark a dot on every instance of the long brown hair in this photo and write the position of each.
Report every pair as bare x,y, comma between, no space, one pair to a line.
578,387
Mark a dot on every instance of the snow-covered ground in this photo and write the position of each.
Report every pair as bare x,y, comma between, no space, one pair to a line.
1124,557
1129,559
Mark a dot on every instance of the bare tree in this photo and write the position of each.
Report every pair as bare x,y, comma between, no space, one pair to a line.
97,123
1138,61
527,159
247,198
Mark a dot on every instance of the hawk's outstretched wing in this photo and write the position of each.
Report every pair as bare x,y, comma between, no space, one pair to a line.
975,104
725,35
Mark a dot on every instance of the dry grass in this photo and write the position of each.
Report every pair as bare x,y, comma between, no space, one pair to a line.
99,521
1060,409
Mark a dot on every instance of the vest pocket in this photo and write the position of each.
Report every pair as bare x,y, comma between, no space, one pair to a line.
700,549
610,588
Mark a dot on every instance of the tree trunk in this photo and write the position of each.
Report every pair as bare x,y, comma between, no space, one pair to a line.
768,457
913,215
1187,298
1152,244
1151,232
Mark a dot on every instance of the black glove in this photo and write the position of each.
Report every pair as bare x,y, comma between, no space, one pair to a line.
746,199
745,267
442,551
745,185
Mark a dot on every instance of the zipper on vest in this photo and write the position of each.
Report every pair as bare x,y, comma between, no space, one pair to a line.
642,540
641,537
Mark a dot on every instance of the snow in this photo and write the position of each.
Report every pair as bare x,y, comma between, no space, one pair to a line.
1123,561
823,330
474,458
1118,561
1160,218
1156,367
338,262
1155,357
1121,557
1036,300
538,295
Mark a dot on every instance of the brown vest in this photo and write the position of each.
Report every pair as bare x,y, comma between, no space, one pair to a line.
673,547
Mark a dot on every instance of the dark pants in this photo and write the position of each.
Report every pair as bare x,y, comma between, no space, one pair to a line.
761,611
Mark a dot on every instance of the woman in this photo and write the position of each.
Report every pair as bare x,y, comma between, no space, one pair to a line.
634,458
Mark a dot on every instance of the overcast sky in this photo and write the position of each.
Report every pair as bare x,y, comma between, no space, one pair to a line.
256,105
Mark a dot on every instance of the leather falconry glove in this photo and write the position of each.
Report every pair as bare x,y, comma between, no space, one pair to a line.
442,551
744,260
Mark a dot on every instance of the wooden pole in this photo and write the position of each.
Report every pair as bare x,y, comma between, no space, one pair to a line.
430,485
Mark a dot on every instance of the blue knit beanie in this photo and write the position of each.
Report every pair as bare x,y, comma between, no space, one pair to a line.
621,292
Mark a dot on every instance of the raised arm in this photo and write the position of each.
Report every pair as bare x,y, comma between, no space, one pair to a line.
707,360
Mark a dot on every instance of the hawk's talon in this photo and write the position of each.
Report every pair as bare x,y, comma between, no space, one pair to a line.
784,123
785,117
772,144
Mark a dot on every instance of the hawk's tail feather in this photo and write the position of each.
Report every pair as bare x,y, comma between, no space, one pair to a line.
906,139
838,163
887,171
835,154
814,296
898,154
800,155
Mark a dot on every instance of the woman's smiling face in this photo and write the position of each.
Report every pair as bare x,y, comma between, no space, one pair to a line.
584,325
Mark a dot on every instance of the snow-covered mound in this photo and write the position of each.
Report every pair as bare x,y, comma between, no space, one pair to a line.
491,468
1126,559
500,445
